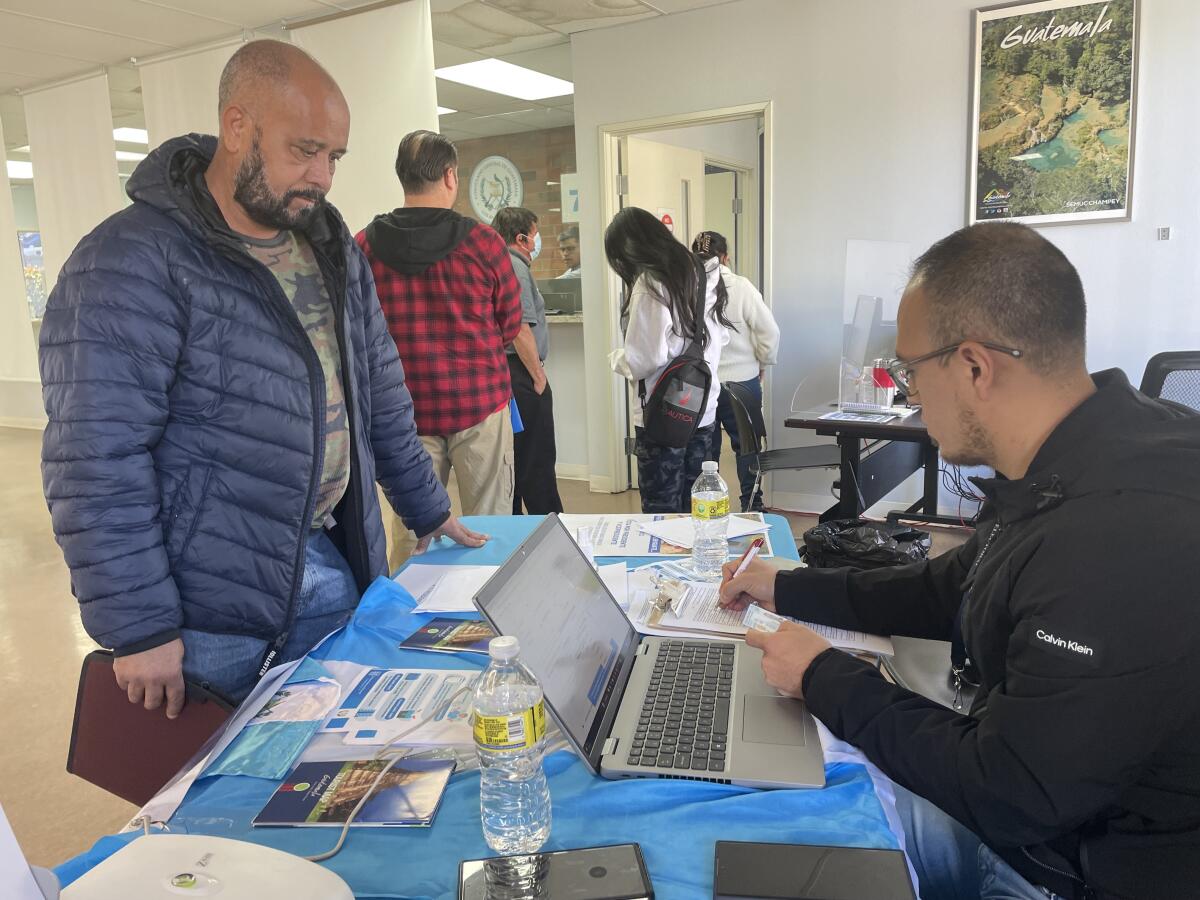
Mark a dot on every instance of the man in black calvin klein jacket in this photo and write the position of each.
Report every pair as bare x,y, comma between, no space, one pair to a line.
1077,770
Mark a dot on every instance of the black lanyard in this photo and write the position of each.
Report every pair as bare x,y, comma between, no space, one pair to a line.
960,661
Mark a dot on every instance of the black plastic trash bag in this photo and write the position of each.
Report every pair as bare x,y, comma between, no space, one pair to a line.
860,544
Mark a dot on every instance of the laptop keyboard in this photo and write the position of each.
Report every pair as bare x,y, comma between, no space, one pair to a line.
684,722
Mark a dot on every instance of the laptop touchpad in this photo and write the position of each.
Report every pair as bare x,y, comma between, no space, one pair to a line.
773,720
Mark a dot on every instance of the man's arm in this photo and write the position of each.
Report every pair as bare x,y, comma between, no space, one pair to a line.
525,344
1049,754
402,466
109,349
918,600
526,347
506,291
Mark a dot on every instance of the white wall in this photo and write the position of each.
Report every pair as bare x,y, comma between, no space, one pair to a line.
24,206
20,389
383,61
870,142
735,142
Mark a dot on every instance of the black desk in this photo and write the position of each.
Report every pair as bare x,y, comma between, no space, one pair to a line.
873,477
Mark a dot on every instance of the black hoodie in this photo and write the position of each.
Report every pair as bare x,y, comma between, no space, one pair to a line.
411,240
1080,761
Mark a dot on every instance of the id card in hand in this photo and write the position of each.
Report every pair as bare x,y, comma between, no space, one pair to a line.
759,618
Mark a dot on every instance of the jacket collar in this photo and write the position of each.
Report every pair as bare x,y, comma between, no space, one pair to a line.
171,179
517,254
1060,461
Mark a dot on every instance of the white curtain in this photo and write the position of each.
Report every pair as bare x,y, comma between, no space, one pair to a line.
383,61
74,163
18,359
179,91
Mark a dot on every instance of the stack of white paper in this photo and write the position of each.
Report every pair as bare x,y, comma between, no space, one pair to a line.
680,532
441,589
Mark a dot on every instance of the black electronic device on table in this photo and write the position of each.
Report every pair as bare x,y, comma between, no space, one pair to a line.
617,872
753,871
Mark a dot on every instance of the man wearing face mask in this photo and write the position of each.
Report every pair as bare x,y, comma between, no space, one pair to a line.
223,396
535,486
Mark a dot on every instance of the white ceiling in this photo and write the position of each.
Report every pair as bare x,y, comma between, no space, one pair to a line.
46,40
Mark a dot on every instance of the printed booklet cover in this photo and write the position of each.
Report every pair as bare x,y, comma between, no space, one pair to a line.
325,793
451,636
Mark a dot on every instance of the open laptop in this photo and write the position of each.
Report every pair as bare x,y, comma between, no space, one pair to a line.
650,707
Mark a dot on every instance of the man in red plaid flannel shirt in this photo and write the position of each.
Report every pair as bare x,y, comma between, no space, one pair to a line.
452,303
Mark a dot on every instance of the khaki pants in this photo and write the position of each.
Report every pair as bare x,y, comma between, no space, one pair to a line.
482,460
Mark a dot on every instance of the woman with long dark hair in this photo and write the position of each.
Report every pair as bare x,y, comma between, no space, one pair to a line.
669,298
753,346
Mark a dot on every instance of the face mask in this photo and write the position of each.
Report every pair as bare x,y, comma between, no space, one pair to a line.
537,246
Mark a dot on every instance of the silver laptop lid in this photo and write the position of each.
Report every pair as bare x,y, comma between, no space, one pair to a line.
574,636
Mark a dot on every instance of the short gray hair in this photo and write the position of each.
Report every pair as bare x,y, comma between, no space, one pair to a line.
1004,282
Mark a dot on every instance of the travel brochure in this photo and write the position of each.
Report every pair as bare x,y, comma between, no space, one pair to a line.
451,636
325,793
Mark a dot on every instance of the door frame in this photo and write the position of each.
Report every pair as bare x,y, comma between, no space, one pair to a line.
612,199
747,220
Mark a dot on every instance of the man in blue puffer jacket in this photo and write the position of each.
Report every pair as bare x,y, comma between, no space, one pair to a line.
223,395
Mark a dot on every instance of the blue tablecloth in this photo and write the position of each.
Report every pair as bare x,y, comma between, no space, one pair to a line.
675,822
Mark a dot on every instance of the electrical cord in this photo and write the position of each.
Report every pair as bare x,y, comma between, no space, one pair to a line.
383,751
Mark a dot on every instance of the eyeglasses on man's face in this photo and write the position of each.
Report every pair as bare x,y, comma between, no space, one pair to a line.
903,371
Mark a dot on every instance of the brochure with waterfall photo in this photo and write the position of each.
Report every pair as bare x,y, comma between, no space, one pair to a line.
325,793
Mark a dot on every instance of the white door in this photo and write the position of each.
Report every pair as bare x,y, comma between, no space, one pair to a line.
668,182
720,196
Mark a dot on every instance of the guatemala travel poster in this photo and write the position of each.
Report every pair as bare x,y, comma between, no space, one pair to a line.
1052,120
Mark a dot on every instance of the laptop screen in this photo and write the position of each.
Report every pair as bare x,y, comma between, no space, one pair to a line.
574,637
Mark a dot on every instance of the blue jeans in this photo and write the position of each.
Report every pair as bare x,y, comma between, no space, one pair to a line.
728,421
229,663
951,862
666,474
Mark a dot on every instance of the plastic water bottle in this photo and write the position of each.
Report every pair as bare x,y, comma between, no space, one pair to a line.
509,721
710,523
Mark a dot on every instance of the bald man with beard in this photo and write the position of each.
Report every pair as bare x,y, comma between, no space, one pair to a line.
223,396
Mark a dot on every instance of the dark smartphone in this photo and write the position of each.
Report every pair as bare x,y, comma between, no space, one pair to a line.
596,873
750,871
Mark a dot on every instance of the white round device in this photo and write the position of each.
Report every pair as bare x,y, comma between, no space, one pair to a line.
168,866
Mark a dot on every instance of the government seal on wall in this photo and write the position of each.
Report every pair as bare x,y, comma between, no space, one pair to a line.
495,183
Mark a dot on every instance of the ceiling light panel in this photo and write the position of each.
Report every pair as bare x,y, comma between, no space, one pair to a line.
501,77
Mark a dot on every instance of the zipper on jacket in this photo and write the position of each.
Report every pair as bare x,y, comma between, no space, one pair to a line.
958,665
309,354
1087,892
317,394
355,533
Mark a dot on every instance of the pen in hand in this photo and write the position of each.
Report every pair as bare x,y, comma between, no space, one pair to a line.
748,556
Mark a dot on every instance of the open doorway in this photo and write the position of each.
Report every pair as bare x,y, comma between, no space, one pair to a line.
695,172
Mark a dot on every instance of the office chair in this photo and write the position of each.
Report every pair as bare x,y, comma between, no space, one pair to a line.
752,438
1174,376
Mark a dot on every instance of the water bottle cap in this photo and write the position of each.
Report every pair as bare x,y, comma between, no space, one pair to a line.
504,648
710,465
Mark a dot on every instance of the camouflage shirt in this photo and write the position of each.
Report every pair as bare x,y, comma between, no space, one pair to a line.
291,261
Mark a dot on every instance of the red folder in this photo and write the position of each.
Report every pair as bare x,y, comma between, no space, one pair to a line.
127,749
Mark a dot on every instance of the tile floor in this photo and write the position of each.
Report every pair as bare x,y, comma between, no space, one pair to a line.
56,815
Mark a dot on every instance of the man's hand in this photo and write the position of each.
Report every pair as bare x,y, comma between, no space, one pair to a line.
152,675
539,381
755,585
787,654
456,531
